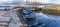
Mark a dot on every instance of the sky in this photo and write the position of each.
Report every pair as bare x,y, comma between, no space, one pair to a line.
46,1
10,1
41,1
5,2
55,1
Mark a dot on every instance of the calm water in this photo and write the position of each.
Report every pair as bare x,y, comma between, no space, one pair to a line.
49,20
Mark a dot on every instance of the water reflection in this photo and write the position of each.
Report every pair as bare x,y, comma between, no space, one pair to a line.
49,20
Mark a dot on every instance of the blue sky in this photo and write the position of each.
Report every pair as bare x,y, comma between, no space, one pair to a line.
2,2
43,1
55,1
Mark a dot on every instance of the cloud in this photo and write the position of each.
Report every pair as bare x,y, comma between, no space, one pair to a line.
1,1
7,0
42,1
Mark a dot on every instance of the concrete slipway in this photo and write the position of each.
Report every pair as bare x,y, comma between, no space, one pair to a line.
15,21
